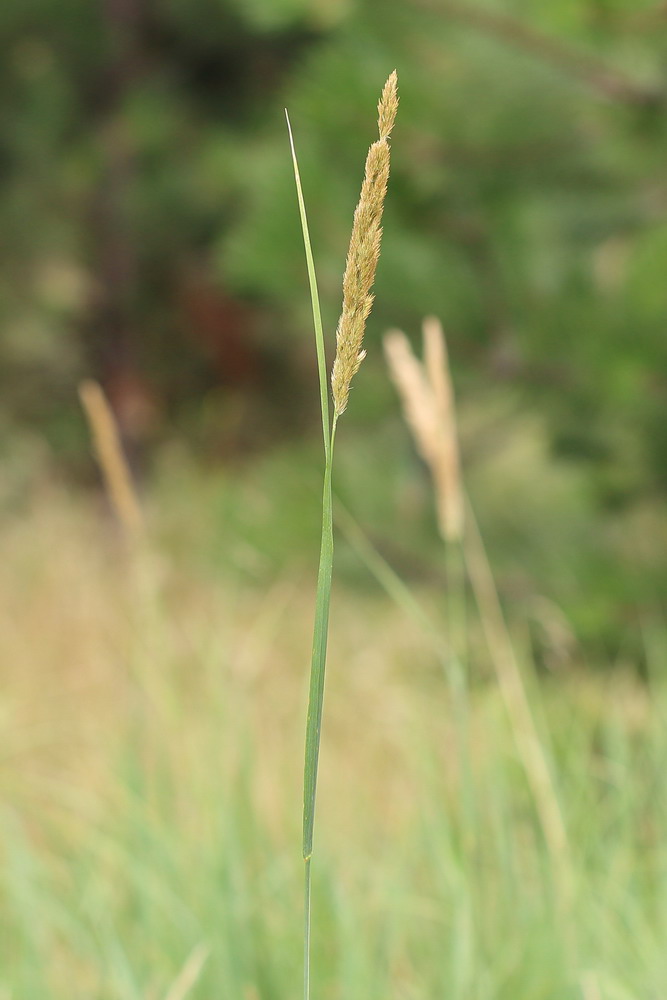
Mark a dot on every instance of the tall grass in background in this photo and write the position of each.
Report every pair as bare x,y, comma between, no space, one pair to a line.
428,402
361,264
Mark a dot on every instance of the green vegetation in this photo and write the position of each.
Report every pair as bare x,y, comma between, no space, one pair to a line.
492,814
150,242
152,727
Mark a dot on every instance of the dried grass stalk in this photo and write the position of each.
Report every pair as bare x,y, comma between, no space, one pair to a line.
189,974
110,456
363,253
428,405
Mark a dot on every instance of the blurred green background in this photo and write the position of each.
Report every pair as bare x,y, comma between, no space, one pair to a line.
150,239
494,836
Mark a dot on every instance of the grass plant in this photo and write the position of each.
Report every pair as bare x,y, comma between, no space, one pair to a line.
428,403
361,264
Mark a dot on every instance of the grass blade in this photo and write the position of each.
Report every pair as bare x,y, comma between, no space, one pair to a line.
314,298
323,598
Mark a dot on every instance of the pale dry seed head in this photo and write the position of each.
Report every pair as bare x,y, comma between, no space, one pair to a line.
436,363
363,253
425,392
415,393
110,455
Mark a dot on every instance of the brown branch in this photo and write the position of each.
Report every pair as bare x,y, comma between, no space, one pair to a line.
608,81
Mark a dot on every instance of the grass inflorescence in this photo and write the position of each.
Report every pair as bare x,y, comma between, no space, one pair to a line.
363,253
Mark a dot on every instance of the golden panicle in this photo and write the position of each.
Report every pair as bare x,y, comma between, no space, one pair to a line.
428,405
363,253
110,456
388,106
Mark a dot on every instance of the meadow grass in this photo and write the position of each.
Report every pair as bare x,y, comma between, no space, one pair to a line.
484,833
149,817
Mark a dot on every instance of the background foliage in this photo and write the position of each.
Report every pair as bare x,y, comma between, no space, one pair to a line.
150,237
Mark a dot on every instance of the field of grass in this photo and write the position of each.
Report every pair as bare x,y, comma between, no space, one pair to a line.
152,709
492,812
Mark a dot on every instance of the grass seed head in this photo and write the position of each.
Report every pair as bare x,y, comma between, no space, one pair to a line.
363,253
110,456
428,406
388,106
